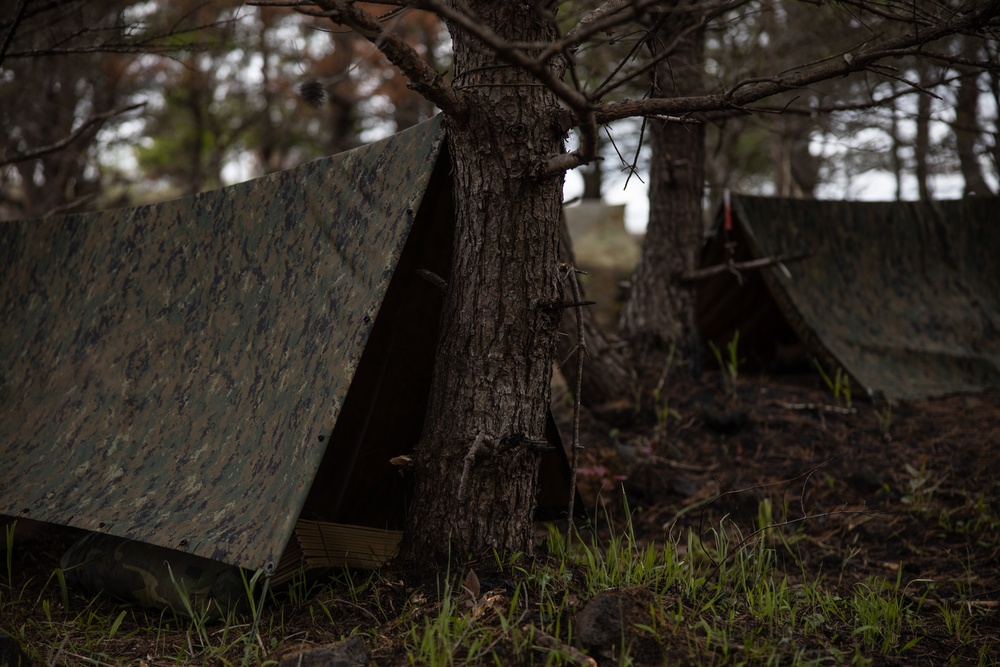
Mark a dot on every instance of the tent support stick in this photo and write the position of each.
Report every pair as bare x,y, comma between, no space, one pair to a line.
736,267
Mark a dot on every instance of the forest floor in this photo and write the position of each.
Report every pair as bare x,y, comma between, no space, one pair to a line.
907,494
902,504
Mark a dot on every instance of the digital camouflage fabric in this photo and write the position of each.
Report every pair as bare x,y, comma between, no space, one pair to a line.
154,577
172,373
903,296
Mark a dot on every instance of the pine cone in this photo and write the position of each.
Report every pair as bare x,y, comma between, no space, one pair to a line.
312,92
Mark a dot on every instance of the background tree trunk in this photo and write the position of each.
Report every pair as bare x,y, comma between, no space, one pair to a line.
476,468
796,170
659,318
922,146
898,164
608,387
593,179
967,128
994,78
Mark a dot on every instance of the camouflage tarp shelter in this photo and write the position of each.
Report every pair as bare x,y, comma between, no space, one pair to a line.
196,374
903,296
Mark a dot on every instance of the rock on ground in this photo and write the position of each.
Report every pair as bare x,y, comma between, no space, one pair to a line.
350,652
613,623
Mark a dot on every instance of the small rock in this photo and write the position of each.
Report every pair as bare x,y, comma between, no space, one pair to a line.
656,483
628,454
350,652
684,487
865,480
832,562
727,422
620,413
610,620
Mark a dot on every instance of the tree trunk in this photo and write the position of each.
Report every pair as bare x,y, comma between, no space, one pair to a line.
593,179
995,94
67,90
476,464
193,95
796,170
922,146
967,128
659,320
897,145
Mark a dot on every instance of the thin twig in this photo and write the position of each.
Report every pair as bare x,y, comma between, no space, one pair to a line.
550,643
581,351
423,78
71,137
470,456
458,14
817,406
666,369
633,169
9,36
752,90
729,267
782,524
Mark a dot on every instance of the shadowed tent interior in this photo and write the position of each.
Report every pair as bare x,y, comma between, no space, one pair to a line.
903,296
232,373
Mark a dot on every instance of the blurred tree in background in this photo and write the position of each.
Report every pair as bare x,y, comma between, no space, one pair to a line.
116,103
135,101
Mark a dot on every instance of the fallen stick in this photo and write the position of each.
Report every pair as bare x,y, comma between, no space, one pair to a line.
545,640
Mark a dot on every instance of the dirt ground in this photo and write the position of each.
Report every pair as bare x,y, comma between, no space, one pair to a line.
912,490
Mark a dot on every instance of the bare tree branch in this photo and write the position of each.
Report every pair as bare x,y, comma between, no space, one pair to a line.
509,52
651,64
96,119
12,28
608,9
751,90
146,45
423,78
576,100
611,15
552,59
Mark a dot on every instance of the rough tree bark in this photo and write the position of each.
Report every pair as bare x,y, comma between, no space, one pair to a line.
476,464
659,318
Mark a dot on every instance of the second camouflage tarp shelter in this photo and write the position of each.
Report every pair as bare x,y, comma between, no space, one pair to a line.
903,296
200,374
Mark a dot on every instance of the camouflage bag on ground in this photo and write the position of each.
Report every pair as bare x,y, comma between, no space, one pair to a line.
151,576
